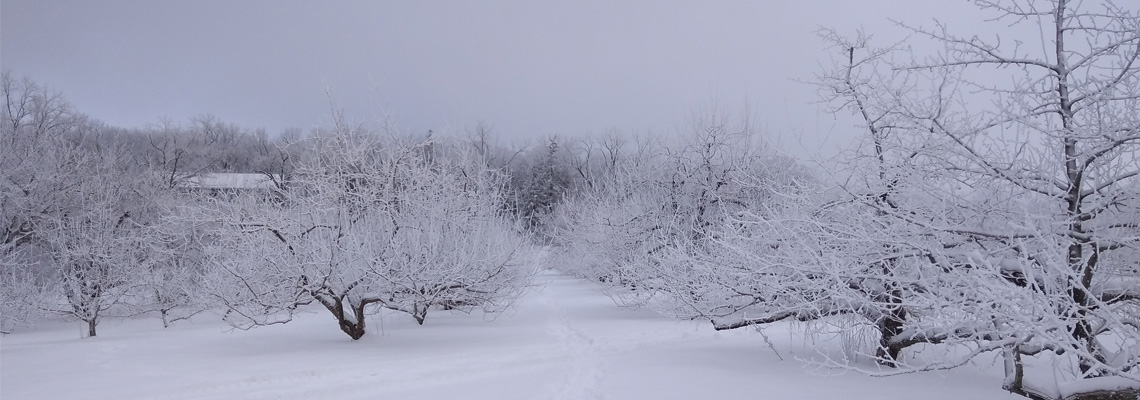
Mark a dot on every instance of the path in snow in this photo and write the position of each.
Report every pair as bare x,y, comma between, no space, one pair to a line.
564,340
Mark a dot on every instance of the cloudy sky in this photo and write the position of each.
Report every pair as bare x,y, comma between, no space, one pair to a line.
529,68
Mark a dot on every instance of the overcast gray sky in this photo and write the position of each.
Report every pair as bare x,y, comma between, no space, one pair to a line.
530,68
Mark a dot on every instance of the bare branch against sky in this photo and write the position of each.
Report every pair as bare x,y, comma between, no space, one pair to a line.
528,68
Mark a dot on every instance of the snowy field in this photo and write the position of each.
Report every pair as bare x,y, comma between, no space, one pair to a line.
564,340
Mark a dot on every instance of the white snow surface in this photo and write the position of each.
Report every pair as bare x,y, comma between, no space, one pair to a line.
565,339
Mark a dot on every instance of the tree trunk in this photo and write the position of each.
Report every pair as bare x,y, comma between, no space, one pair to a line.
91,327
355,330
890,326
419,313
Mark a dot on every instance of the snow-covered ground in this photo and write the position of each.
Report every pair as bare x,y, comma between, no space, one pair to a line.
564,340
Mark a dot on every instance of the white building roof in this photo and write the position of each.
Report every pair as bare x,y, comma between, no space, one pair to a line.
230,180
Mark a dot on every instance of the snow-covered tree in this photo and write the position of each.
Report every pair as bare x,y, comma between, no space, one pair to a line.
35,122
99,243
1025,206
640,228
540,187
171,286
37,165
368,220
